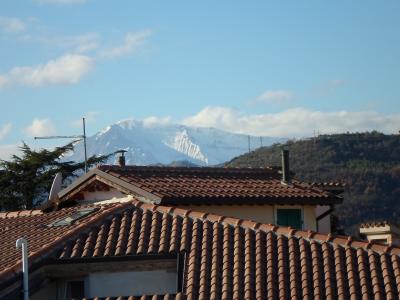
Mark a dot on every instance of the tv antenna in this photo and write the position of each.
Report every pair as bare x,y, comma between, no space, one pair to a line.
77,137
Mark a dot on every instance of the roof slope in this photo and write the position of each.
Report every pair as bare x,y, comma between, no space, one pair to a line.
181,185
229,258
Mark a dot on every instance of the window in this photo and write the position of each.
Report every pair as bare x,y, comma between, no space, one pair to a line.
289,217
79,214
75,289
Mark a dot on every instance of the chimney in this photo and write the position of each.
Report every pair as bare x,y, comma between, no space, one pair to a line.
381,232
121,158
285,167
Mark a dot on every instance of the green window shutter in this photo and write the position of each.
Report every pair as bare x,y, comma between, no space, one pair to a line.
289,217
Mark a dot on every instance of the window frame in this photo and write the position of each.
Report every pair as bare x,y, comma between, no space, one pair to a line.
283,207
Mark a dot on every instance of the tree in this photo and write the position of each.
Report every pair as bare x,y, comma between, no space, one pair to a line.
25,180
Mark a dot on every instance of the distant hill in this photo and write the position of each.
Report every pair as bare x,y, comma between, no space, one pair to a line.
369,163
151,142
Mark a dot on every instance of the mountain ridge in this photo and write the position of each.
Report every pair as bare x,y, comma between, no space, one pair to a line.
369,164
153,142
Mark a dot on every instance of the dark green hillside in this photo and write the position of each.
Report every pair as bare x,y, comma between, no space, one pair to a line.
369,163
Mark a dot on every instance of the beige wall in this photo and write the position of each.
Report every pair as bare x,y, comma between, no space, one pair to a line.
258,213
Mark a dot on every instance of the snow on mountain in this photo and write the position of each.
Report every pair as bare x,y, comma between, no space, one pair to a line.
162,142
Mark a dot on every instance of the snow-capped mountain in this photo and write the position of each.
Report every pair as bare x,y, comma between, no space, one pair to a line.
154,143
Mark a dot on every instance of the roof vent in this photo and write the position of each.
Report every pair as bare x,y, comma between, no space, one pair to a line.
121,158
79,214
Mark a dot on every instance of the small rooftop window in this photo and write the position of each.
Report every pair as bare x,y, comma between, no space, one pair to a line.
71,219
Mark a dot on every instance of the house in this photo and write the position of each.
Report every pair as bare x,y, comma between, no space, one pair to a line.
263,195
132,248
191,233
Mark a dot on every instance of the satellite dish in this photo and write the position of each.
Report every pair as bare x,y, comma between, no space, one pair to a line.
55,187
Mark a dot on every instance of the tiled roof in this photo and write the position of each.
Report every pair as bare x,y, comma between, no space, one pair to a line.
182,185
42,240
227,258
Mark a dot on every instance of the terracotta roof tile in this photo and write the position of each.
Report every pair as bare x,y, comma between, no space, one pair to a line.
375,224
181,185
226,258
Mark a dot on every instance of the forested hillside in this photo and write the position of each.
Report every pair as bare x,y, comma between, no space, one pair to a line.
369,163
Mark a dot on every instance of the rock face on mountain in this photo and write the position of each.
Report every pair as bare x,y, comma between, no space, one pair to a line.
155,143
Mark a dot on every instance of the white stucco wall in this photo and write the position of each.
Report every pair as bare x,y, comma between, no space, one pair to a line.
102,195
130,283
258,213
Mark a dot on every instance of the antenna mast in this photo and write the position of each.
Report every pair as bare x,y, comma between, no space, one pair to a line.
84,142
79,137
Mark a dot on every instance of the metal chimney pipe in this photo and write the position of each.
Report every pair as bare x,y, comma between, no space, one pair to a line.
121,157
22,242
285,167
121,160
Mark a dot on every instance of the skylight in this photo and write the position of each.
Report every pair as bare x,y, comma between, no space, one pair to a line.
71,219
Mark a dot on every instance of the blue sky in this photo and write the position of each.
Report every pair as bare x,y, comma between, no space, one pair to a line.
278,68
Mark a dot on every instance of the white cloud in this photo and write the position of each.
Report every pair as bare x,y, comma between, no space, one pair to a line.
156,121
130,45
6,151
276,96
3,81
85,43
67,69
71,67
5,130
296,122
60,2
40,127
11,25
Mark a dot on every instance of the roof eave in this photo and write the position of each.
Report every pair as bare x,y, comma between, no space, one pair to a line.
116,183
